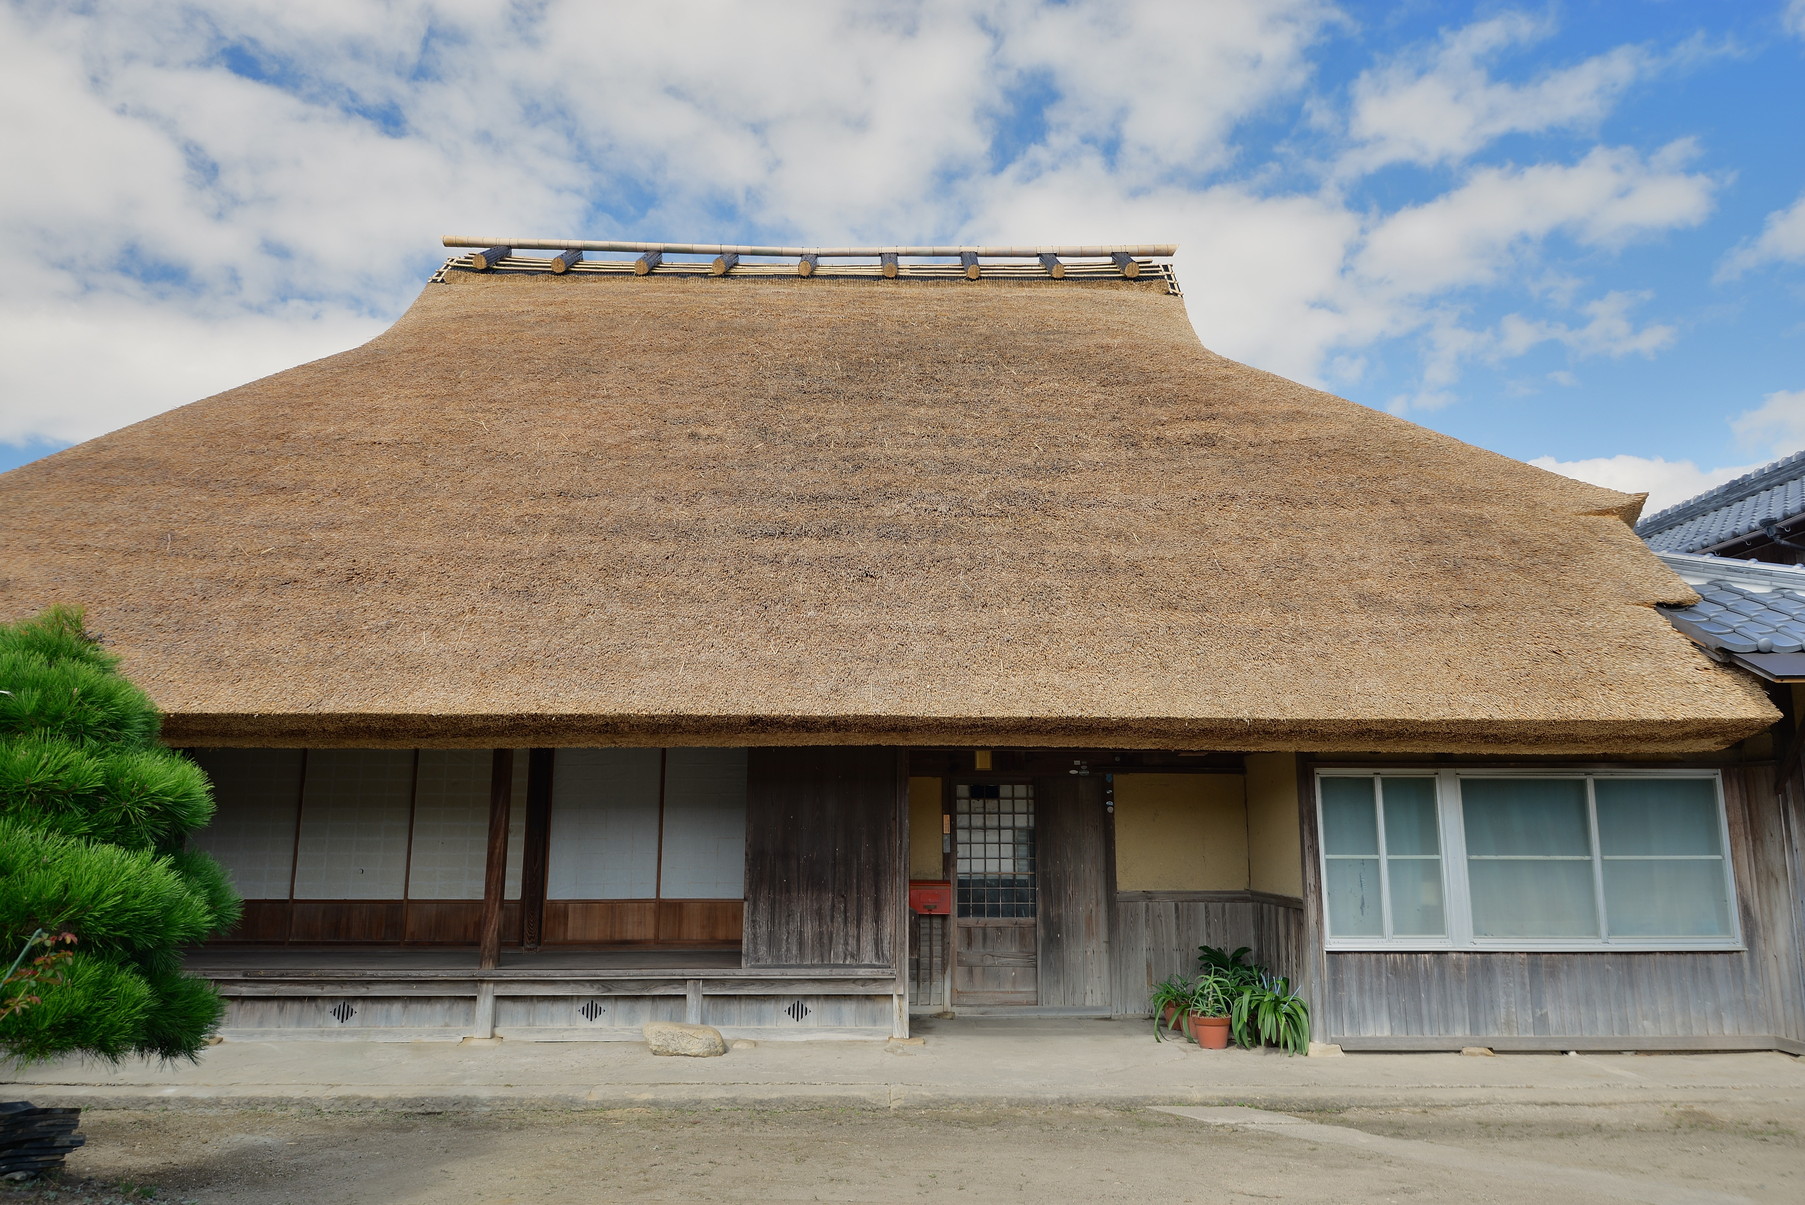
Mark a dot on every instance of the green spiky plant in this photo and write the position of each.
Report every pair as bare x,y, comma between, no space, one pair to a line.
93,814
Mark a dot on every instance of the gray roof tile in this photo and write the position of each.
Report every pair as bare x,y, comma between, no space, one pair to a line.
1732,510
1743,608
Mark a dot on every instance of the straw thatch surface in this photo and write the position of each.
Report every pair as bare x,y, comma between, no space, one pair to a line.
688,510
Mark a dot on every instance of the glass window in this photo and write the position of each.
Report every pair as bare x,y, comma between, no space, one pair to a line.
1382,868
1664,873
1529,857
1562,861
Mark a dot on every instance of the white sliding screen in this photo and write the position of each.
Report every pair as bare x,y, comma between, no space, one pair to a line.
257,797
354,824
451,825
604,824
704,854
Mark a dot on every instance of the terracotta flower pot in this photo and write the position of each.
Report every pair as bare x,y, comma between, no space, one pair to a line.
1166,1015
1211,1033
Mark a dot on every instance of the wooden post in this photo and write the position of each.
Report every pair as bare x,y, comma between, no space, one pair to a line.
564,261
899,1020
806,265
647,262
1127,264
534,860
482,261
723,264
495,873
1313,968
1054,268
970,260
888,259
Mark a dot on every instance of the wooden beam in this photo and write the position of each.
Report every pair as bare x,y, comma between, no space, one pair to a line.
482,261
1069,252
724,264
647,262
970,260
564,261
536,856
495,871
806,264
1054,268
1127,264
888,259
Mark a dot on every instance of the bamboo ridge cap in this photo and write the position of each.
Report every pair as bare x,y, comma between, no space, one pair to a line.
1026,252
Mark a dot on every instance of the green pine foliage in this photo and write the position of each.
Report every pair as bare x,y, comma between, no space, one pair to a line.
93,815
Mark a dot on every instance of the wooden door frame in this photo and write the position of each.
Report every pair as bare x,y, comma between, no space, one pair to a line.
949,866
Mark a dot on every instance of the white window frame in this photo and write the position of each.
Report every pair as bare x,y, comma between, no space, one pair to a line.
1457,912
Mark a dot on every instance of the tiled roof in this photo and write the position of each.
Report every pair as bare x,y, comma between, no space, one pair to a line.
1749,612
1735,509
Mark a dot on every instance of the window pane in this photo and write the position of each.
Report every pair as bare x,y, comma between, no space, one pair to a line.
1410,816
1519,817
1348,823
1533,898
354,813
1416,907
604,825
1670,897
1353,891
1641,816
704,824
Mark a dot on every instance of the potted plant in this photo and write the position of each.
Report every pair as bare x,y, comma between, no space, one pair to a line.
1171,1000
1211,998
1270,1012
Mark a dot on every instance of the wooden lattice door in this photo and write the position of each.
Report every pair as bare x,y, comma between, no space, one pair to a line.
996,895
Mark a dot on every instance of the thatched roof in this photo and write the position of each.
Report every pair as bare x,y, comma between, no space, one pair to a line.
688,510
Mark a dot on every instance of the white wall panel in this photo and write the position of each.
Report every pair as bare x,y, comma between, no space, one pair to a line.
257,793
604,825
354,823
451,825
704,824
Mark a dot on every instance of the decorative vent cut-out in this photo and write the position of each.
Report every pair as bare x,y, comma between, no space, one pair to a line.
342,1012
591,1011
796,1011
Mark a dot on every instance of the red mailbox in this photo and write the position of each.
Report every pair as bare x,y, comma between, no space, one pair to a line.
931,896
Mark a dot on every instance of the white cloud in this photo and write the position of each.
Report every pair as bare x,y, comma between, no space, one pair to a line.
183,226
1471,235
1441,105
1666,482
1778,424
1608,331
1793,18
1782,237
1776,428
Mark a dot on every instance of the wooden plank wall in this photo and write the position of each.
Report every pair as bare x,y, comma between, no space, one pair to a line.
824,857
1156,934
310,922
1754,992
1071,845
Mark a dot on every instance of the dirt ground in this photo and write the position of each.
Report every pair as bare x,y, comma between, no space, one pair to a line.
1753,1150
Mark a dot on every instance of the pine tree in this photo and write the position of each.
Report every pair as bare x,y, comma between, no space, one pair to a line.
93,815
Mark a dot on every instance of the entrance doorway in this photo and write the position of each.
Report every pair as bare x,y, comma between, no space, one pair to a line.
996,891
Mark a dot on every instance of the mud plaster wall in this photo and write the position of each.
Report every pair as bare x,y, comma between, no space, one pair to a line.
1181,832
924,828
1274,845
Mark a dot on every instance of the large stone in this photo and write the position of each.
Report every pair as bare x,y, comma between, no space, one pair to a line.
694,1041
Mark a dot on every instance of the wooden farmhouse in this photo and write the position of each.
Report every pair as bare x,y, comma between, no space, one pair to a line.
619,636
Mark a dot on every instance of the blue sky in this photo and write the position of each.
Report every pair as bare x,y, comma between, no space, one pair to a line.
1573,232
